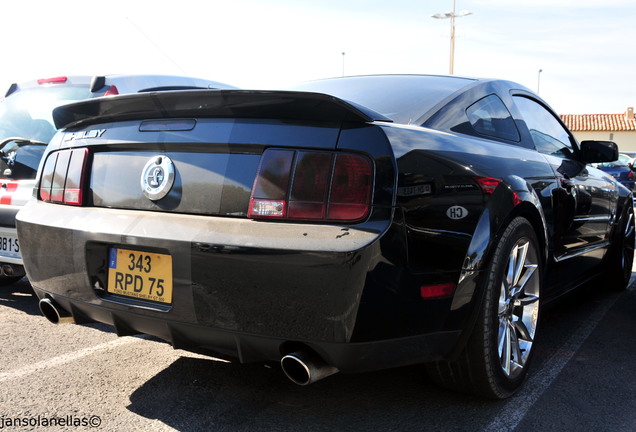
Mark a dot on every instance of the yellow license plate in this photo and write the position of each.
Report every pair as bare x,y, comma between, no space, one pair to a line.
142,275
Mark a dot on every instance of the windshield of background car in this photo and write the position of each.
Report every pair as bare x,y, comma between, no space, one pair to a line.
402,98
616,164
27,113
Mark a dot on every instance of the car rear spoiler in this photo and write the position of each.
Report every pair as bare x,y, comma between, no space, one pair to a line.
283,105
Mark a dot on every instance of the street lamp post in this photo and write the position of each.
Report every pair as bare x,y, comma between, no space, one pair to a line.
539,80
343,56
452,15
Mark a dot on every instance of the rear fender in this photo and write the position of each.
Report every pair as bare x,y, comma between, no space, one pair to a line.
516,198
512,199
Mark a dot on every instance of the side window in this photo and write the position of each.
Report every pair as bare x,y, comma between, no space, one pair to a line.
489,116
548,135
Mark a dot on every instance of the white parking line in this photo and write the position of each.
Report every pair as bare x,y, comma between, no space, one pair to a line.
65,358
516,408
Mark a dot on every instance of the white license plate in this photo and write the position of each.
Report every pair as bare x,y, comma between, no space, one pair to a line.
9,246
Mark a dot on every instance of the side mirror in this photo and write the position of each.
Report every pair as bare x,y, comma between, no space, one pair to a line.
598,151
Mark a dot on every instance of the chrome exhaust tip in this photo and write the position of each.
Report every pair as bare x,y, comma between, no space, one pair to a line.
12,270
54,312
304,368
7,270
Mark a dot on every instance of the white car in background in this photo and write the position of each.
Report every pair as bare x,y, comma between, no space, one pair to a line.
26,126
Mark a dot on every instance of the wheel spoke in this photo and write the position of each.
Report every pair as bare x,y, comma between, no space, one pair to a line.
522,330
510,274
503,304
523,280
505,347
511,354
516,355
526,300
518,257
518,307
629,226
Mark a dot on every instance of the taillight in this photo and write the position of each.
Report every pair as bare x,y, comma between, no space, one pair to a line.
488,184
9,190
312,186
55,80
63,177
112,90
350,188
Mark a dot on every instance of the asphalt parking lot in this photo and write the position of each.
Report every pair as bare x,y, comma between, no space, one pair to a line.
583,378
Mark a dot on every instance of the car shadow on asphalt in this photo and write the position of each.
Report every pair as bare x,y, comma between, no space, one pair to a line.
19,295
195,394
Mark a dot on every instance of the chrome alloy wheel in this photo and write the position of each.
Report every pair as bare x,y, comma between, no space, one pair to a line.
518,310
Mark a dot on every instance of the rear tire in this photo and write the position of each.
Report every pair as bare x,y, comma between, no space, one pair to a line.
495,360
620,256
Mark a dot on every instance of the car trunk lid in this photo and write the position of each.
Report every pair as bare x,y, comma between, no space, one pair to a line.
211,143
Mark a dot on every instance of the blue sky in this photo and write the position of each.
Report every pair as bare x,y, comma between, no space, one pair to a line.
584,48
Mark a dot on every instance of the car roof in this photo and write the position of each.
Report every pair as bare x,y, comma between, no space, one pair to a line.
406,98
26,109
125,83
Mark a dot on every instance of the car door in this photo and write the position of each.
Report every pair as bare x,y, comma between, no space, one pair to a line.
581,200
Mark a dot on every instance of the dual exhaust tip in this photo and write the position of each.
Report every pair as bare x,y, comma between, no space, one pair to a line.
301,367
306,367
11,270
54,312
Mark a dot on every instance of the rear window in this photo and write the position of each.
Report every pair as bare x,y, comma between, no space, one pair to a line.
20,160
27,113
402,98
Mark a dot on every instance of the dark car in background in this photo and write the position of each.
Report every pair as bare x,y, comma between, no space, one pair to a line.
348,225
26,126
620,170
628,159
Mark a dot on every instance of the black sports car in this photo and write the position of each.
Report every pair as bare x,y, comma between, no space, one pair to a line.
344,225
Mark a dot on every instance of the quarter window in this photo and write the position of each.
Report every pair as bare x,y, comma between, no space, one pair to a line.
489,116
547,133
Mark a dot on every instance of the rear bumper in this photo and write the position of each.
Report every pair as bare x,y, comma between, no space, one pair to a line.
248,348
242,289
